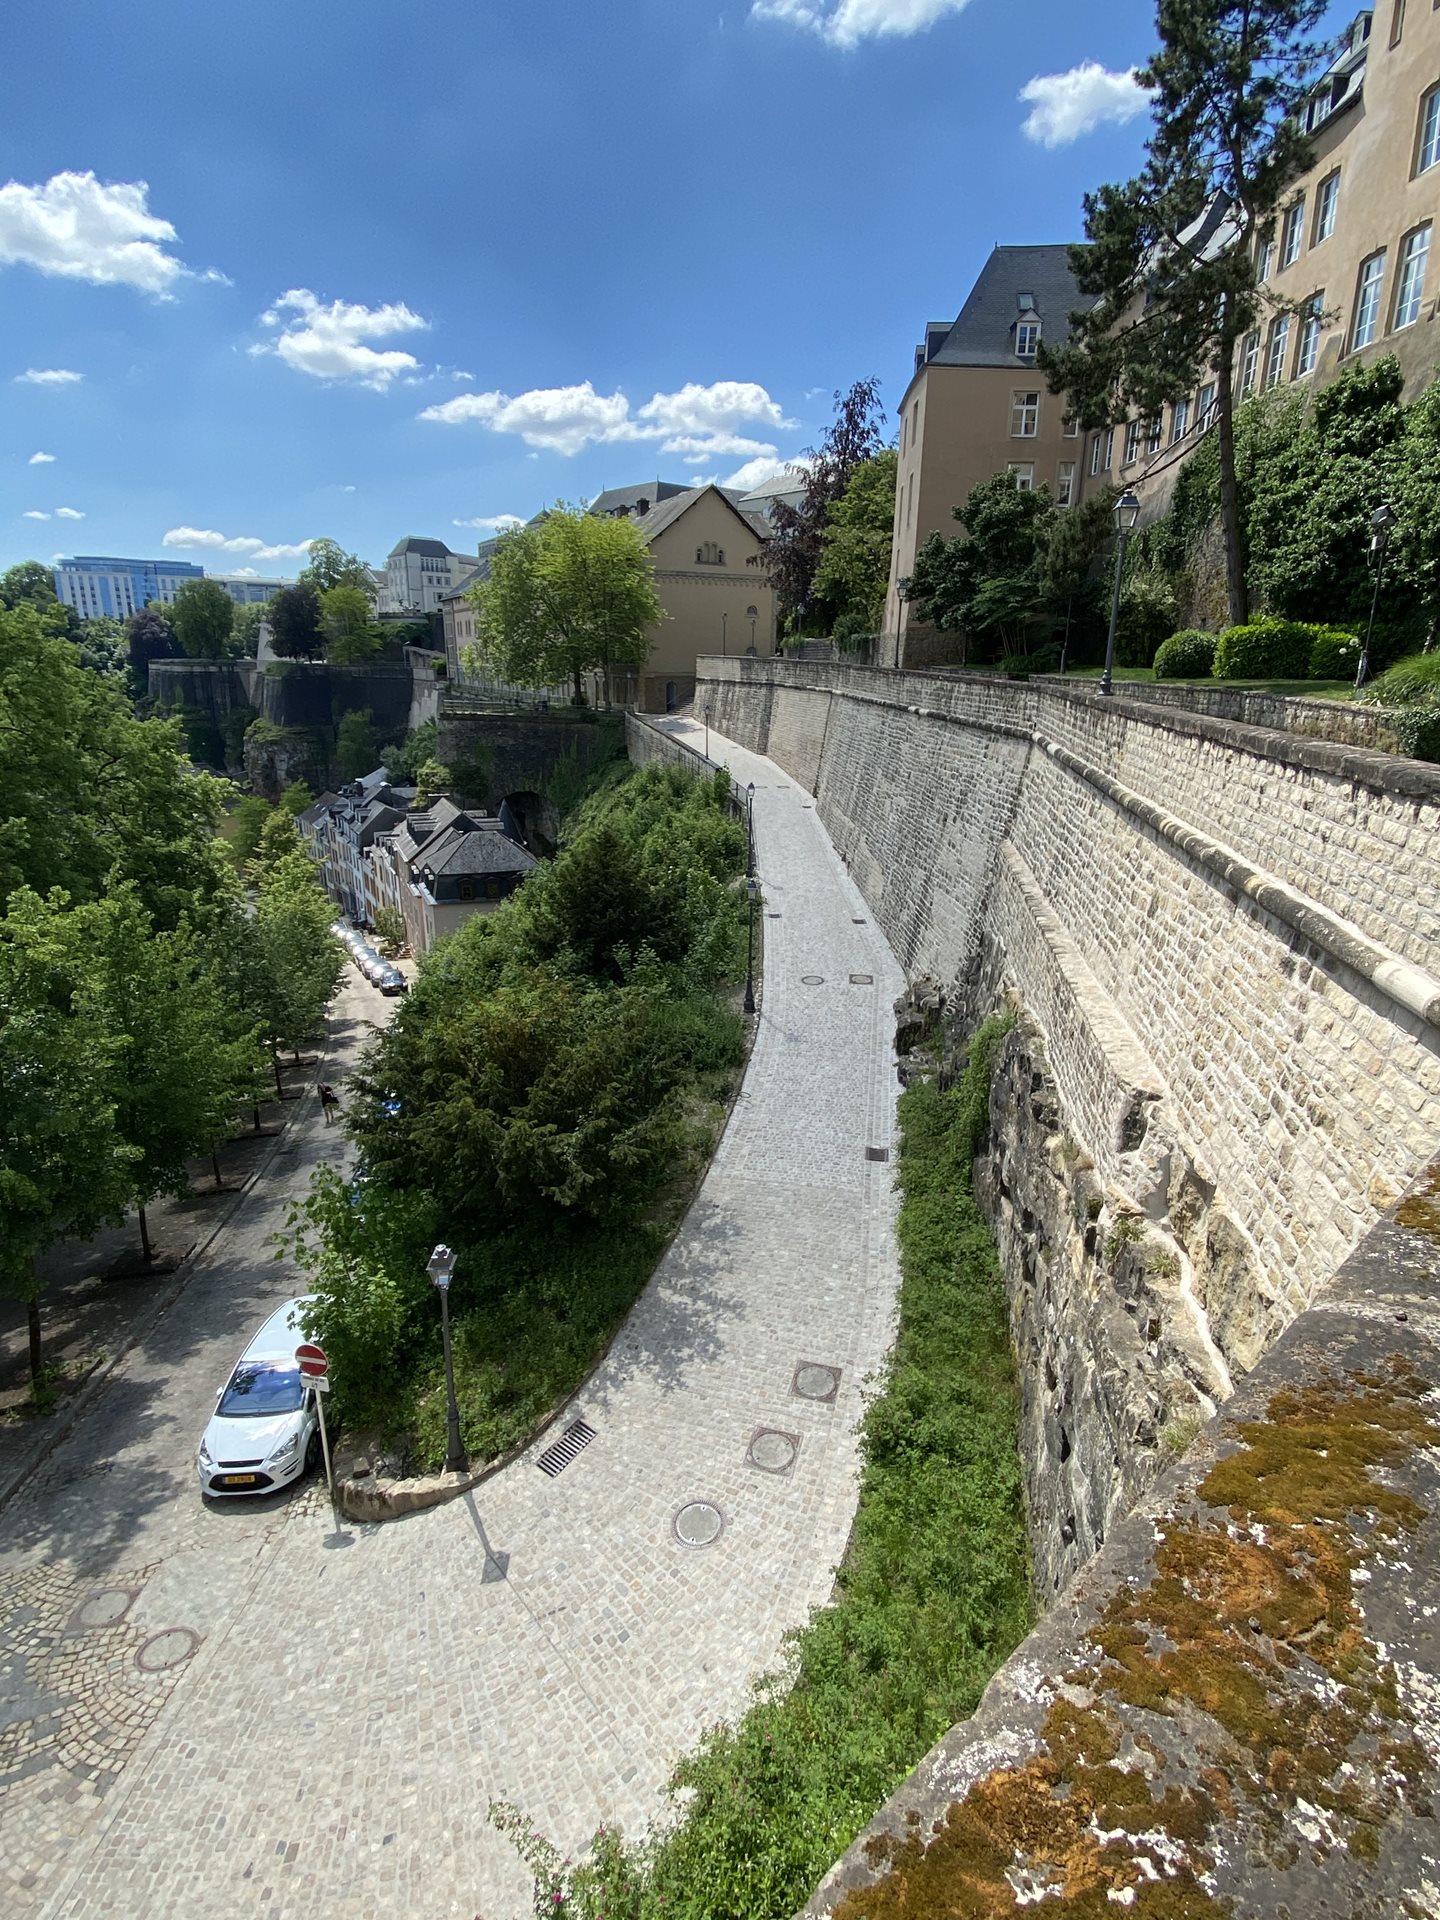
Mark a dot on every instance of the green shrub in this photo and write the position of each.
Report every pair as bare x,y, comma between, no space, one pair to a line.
1264,650
1334,654
852,633
1187,655
1147,615
1411,690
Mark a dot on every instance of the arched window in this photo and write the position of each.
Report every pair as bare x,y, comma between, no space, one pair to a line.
672,697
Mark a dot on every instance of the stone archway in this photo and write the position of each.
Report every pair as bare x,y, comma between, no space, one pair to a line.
534,819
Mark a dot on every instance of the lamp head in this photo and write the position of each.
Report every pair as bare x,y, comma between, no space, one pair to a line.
1127,512
1382,522
441,1265
752,889
750,790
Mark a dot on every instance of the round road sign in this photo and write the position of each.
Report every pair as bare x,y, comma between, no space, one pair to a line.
313,1363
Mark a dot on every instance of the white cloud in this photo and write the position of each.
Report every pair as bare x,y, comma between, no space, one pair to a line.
496,523
81,229
329,342
253,549
32,514
1065,105
845,23
40,460
695,422
245,573
759,472
48,377
349,489
68,513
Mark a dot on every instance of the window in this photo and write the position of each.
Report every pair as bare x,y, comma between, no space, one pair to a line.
1397,23
1275,359
1428,147
1179,420
1410,282
1308,351
1024,416
1367,300
1095,453
1022,472
1265,260
1108,460
1154,434
1065,484
1027,338
1249,354
1072,427
1292,233
909,498
467,889
1132,443
709,555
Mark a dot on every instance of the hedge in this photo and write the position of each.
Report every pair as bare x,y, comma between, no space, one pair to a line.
1188,655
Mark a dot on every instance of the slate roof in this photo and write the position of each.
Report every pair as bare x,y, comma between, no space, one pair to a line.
627,499
983,333
669,511
427,549
484,850
316,811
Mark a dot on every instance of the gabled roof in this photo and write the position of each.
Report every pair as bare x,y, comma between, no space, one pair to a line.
669,511
480,850
983,334
427,549
316,811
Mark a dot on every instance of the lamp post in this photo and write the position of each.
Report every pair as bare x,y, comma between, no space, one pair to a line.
750,831
724,623
440,1266
752,894
1382,525
709,712
1127,512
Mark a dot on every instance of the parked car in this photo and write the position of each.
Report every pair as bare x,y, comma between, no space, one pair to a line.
369,962
265,1430
392,981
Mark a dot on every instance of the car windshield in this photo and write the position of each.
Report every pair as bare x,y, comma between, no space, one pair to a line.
261,1387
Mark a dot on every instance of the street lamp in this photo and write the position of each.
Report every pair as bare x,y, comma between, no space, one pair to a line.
1127,512
752,894
709,712
1382,525
750,830
440,1266
724,623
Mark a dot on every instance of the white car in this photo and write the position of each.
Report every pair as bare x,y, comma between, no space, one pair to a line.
265,1431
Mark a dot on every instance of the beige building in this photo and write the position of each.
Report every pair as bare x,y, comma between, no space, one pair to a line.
976,406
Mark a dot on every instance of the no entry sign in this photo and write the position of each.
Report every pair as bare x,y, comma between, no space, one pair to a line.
312,1361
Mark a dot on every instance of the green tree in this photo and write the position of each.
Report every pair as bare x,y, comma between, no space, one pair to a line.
100,645
245,633
202,617
330,567
855,542
30,584
279,839
296,799
432,777
63,1167
794,549
250,817
302,958
94,795
568,596
351,636
990,583
404,759
356,749
148,636
295,630
1071,582
1171,257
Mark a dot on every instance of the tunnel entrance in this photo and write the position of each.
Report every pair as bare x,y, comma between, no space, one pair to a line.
534,819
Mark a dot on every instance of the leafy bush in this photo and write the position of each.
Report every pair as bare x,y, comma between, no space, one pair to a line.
1264,650
1188,655
1147,615
1411,690
852,633
1334,654
932,1596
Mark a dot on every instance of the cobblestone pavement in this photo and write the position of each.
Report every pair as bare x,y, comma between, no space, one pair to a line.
331,1746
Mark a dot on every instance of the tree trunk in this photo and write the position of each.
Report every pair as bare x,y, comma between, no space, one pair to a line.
1229,491
146,1250
579,690
279,1088
32,1318
255,1109
215,1163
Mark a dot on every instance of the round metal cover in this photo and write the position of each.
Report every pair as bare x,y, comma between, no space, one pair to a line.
773,1451
812,979
698,1524
165,1650
106,1608
816,1382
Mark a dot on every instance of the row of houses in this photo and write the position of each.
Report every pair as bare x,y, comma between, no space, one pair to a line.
435,865
1347,271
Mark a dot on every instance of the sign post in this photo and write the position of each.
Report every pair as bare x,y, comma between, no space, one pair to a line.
315,1367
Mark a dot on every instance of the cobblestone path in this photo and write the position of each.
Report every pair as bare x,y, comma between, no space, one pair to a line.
331,1745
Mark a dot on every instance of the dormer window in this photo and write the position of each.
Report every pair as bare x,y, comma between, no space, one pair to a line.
1027,338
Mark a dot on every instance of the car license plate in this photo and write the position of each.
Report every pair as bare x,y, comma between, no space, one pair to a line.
239,1479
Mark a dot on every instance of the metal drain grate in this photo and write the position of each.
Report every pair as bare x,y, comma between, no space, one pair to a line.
812,979
857,920
574,1440
877,1153
773,914
862,979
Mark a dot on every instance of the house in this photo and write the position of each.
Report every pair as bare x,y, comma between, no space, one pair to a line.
419,573
440,865
339,830
976,406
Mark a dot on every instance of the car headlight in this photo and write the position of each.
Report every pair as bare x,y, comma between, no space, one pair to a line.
205,1454
284,1452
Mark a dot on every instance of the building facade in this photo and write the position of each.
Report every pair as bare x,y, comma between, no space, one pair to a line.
102,584
976,406
419,573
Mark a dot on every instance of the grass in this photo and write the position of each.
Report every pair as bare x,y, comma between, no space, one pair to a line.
1300,689
933,1593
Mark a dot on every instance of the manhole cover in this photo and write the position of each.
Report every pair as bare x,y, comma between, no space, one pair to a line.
698,1524
165,1650
857,920
106,1608
862,979
773,1451
812,979
774,914
877,1153
815,1382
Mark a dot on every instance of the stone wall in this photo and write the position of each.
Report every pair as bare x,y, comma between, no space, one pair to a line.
1219,937
504,753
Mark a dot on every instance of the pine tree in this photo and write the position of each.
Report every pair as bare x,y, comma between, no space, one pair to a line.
1171,254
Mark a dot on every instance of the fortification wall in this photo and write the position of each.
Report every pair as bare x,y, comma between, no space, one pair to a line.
1221,937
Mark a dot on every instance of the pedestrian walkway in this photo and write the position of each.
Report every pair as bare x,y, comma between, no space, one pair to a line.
561,1642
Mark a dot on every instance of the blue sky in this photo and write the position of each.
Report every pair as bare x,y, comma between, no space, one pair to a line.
655,234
